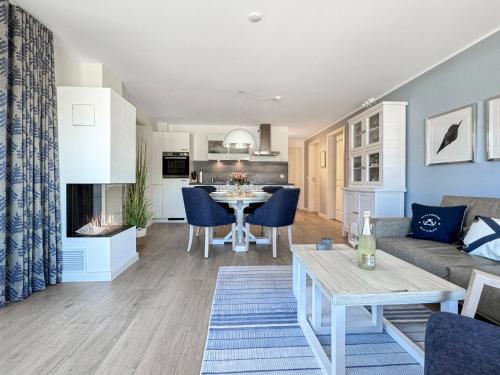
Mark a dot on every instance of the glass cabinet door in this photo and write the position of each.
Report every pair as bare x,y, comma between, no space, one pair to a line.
374,129
357,167
374,174
357,135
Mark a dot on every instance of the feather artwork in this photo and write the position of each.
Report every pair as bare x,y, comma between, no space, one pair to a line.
450,136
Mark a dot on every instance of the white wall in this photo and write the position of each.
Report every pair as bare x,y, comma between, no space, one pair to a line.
72,72
279,138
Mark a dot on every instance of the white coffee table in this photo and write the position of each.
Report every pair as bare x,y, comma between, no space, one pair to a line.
337,280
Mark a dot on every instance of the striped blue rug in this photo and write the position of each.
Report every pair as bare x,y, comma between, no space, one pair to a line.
253,330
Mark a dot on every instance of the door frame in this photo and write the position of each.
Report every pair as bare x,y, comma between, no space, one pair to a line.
314,143
299,146
331,166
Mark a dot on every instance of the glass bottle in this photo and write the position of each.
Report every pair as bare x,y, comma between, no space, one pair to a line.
366,245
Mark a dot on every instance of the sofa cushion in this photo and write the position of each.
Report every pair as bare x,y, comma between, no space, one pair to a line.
489,207
436,223
489,304
435,257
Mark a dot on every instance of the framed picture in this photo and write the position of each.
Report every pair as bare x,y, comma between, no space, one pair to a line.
450,136
322,159
492,111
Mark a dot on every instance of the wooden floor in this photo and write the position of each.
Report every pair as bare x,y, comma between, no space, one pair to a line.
152,319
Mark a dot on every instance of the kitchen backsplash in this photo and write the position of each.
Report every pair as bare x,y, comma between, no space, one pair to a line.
258,172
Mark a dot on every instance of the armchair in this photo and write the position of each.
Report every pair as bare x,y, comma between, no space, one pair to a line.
460,344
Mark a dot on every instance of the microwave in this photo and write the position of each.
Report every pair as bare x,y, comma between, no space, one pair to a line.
175,165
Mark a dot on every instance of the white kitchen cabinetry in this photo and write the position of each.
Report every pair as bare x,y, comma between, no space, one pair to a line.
173,202
156,158
157,200
176,141
377,162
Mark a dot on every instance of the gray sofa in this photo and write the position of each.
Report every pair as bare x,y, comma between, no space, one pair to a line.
442,259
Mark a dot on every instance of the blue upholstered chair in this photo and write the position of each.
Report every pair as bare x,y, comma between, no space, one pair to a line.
460,344
271,189
203,211
278,211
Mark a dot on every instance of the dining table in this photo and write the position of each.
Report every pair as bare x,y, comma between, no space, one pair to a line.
239,201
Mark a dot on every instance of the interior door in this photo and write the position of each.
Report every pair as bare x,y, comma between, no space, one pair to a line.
312,182
339,176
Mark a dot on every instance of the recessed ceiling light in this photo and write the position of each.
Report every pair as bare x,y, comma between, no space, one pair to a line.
254,17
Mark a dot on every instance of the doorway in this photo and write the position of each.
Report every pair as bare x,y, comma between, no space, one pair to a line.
313,177
296,167
336,174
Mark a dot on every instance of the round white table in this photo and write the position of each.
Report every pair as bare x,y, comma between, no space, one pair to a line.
239,203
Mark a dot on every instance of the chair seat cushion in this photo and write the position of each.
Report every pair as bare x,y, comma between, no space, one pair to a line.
436,223
435,257
456,344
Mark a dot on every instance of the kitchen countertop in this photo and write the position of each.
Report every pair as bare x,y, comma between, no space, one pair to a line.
258,183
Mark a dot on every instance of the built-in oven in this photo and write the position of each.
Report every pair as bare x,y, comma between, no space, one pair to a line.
175,165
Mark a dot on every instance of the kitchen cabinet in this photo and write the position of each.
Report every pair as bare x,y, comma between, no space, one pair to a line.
156,157
377,163
176,141
173,202
157,200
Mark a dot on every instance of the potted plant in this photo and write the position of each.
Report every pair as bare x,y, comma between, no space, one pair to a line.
137,207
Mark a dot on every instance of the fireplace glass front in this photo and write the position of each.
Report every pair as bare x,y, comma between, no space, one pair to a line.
95,210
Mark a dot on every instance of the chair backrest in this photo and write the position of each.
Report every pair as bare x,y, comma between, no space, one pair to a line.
477,281
207,188
201,209
279,210
271,189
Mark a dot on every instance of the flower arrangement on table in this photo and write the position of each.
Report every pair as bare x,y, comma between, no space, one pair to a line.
239,178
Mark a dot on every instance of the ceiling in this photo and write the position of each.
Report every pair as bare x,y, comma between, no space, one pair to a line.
184,61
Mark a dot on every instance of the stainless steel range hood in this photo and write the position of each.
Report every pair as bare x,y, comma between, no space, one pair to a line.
265,142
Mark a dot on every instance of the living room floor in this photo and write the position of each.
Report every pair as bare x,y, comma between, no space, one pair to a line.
152,319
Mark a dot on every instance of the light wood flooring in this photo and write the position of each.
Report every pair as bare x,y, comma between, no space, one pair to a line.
152,319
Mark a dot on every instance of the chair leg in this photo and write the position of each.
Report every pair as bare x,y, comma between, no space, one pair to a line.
211,236
247,236
207,241
275,251
233,235
279,233
197,231
191,228
290,236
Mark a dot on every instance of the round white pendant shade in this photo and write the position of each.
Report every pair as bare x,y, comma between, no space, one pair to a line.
239,138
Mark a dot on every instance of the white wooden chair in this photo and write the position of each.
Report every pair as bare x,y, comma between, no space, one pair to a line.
477,281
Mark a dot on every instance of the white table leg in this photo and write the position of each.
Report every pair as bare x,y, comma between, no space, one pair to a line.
449,306
238,207
316,307
338,340
378,318
295,276
302,293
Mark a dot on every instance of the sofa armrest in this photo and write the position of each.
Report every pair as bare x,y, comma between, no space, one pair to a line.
391,227
455,344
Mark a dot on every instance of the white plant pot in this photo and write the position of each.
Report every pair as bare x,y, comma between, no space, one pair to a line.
141,232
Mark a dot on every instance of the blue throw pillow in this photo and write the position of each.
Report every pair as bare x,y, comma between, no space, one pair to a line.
436,223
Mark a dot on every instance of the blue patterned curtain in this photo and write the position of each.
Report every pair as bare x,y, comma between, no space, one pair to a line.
30,232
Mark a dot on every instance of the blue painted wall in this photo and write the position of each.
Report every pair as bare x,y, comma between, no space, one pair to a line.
470,77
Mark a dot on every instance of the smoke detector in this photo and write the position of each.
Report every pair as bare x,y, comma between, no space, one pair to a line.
254,17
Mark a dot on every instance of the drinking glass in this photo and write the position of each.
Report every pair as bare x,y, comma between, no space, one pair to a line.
353,237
